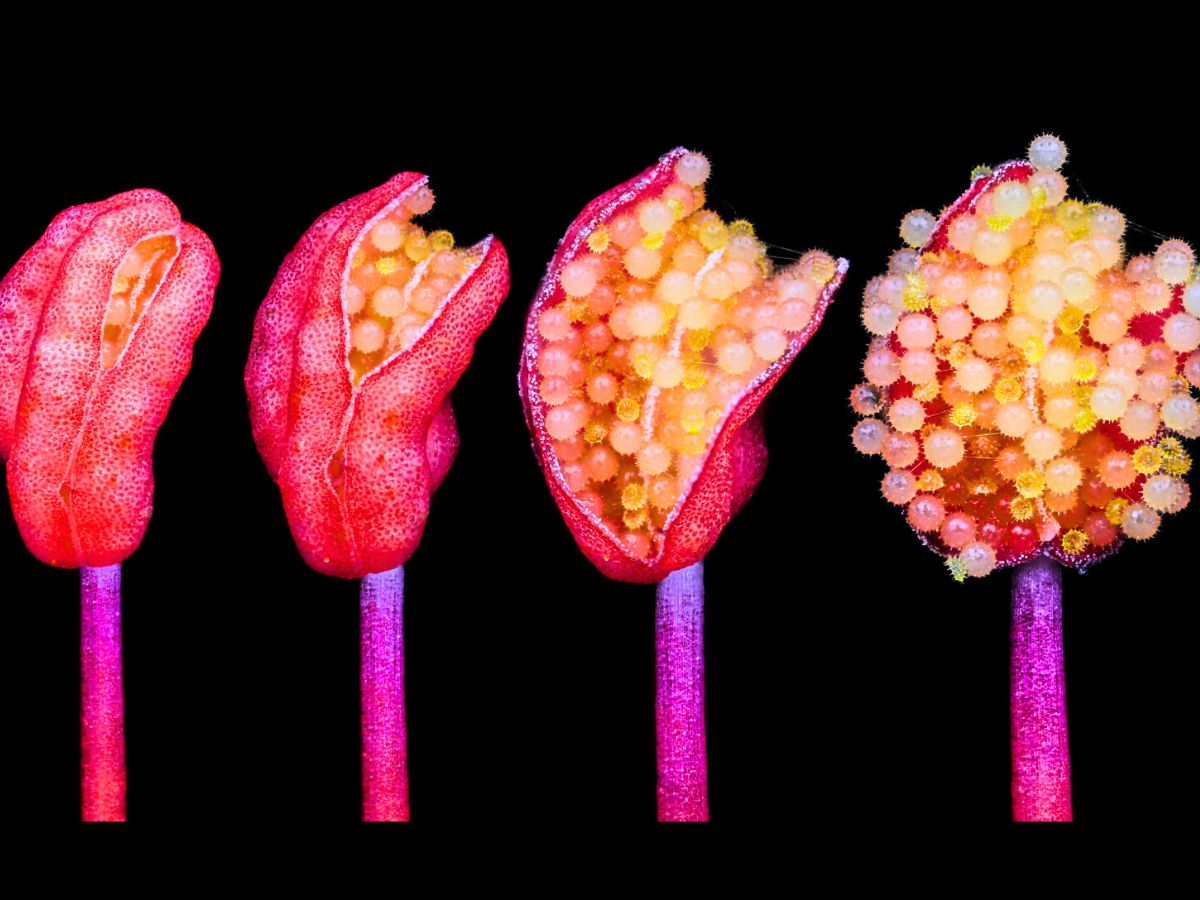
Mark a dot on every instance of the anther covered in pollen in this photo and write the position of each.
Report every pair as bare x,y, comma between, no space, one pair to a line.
397,277
1020,354
134,285
656,334
662,316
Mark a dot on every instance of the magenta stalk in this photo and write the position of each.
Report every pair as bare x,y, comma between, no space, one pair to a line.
381,681
102,697
679,696
1041,760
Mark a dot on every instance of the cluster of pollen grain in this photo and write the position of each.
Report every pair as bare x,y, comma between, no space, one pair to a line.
399,276
134,284
1038,372
666,316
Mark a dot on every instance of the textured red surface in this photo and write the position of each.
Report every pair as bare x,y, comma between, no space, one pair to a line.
78,437
737,458
393,435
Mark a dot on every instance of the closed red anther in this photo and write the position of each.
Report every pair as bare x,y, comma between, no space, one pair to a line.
97,323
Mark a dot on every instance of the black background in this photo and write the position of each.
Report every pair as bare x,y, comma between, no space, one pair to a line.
850,680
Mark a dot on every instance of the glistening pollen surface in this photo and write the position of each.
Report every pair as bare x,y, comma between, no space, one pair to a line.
1028,383
657,320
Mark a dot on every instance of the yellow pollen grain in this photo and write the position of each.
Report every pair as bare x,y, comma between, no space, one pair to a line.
1074,541
962,415
1007,390
960,352
633,496
1085,420
958,569
597,241
1147,460
1021,509
595,431
915,292
1030,484
694,377
1022,255
822,270
1170,448
713,235
1084,370
1071,320
1177,465
635,519
1035,348
1114,510
577,310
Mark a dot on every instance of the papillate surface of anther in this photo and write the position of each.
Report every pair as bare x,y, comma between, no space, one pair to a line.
1028,382
368,325
97,323
657,331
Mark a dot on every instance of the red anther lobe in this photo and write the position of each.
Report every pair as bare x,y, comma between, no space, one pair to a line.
78,426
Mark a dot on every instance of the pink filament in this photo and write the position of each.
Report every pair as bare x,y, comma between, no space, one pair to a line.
102,708
679,698
1041,760
384,738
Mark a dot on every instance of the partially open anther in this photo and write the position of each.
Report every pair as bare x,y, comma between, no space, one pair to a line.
657,332
397,278
668,314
